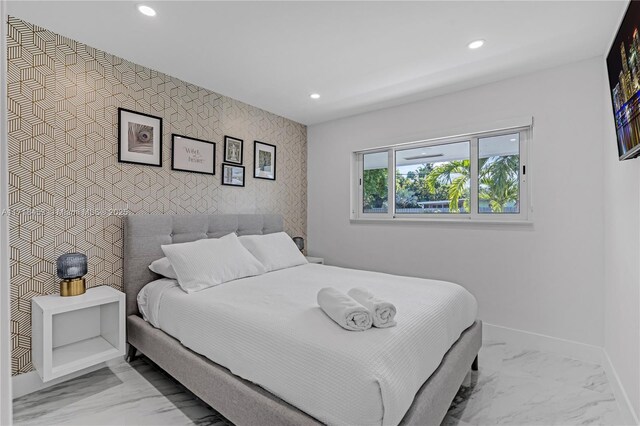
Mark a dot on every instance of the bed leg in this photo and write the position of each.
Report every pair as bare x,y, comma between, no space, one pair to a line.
474,364
131,354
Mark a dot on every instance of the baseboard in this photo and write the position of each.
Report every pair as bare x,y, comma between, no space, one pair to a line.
26,383
629,416
530,340
570,349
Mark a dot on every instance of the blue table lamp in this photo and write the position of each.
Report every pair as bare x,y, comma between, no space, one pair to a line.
299,242
71,268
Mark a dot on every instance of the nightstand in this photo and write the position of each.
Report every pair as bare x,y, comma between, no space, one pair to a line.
76,332
318,260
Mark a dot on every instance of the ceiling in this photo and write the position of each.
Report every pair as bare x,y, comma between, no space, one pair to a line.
359,56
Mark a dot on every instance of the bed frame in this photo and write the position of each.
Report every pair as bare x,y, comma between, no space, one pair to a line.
241,401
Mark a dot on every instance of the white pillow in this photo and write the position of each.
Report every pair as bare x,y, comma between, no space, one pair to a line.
149,299
163,267
274,251
212,261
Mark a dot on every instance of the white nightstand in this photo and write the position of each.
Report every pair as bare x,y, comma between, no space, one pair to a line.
73,333
318,260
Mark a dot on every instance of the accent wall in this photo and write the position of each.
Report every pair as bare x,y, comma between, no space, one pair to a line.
63,98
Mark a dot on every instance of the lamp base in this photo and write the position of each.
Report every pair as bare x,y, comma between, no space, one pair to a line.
72,287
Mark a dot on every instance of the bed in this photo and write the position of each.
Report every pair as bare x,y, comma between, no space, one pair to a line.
187,357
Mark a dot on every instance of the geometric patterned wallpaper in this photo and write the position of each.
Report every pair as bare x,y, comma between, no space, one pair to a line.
63,98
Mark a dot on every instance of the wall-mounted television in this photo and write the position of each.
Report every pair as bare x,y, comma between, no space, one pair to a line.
623,64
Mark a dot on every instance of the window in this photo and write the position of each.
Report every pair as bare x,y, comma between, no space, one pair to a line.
478,177
375,177
433,179
499,174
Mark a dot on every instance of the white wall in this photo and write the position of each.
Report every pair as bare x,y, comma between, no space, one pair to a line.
622,260
546,278
5,351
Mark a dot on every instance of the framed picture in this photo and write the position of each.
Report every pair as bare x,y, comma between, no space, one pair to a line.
264,158
193,155
139,138
622,66
233,150
232,175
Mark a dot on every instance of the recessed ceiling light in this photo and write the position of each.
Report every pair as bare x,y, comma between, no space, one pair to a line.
314,96
512,139
476,44
146,10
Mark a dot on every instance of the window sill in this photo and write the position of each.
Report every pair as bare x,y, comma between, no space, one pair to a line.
452,221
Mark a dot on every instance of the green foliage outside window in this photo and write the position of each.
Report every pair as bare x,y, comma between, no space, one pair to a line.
498,180
375,188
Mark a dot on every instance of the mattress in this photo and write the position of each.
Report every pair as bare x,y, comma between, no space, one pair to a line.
269,330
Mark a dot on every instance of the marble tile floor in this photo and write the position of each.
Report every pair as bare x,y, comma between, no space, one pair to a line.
514,386
139,393
517,386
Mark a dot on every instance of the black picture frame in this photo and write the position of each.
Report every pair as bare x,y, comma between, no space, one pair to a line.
122,155
244,177
256,167
226,147
621,73
175,136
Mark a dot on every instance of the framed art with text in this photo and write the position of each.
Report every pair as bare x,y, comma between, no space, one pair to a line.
193,155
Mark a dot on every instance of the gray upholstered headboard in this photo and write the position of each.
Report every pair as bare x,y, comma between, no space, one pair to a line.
144,234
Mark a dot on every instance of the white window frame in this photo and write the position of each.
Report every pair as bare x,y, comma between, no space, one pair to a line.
390,185
526,206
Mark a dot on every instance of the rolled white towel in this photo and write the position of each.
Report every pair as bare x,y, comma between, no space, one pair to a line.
345,311
383,312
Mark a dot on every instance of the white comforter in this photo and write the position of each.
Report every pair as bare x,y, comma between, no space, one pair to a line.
269,330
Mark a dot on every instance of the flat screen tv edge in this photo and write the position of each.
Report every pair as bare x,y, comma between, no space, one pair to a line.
623,71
